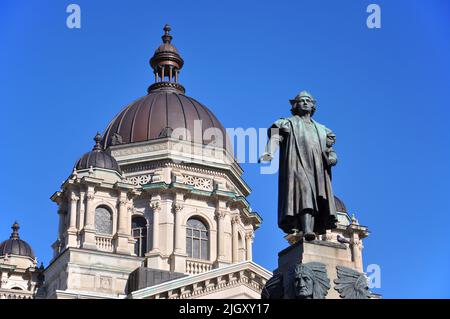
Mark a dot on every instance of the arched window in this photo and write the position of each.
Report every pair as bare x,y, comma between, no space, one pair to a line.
197,239
139,232
103,220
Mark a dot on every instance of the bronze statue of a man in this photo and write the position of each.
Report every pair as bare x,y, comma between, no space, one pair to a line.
305,196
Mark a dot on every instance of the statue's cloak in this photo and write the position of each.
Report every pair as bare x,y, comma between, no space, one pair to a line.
304,174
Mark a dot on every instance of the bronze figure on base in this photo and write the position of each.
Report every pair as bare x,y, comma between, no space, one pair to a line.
305,196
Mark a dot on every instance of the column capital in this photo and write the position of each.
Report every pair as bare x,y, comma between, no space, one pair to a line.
236,219
155,206
74,197
249,236
177,207
90,196
220,214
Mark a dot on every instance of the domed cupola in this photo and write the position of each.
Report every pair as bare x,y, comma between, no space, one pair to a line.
166,108
341,212
340,206
166,64
16,246
97,158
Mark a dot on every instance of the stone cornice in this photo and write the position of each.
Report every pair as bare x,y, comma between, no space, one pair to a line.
247,273
167,150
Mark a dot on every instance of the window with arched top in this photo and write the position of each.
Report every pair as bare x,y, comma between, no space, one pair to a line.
103,220
197,239
139,232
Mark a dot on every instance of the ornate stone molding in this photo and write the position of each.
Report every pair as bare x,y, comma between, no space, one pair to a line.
140,149
143,167
139,180
202,183
214,285
195,169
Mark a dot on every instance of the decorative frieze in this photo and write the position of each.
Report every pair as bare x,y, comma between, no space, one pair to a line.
197,182
139,180
215,285
139,149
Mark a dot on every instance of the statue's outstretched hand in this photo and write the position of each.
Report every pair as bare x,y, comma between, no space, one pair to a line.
266,157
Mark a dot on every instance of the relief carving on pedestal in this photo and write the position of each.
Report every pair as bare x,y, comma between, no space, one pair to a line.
351,284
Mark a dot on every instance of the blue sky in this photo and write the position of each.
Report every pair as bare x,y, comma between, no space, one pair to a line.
384,92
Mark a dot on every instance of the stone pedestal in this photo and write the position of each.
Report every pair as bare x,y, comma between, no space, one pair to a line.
326,256
154,260
329,253
122,246
88,239
71,237
178,262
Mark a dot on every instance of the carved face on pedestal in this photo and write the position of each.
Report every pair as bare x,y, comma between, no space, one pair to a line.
303,282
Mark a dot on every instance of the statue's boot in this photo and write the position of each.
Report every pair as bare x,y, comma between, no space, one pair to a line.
307,221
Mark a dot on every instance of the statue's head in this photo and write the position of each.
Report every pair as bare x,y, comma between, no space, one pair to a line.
303,102
304,282
311,281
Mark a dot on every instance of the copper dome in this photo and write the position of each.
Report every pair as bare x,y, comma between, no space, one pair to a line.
166,108
161,111
340,206
97,158
16,246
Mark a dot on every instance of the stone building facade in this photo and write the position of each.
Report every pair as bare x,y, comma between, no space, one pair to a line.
19,275
157,209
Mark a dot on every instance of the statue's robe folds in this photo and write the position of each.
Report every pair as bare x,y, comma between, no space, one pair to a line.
305,174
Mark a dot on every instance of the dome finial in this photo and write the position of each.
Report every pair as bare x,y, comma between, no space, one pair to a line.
166,64
15,227
97,139
167,38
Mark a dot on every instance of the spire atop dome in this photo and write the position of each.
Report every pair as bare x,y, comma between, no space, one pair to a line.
15,227
167,38
166,64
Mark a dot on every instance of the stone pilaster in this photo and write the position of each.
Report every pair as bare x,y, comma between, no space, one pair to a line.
178,258
122,236
88,241
61,224
156,208
177,210
154,258
220,218
72,233
235,222
356,246
249,245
